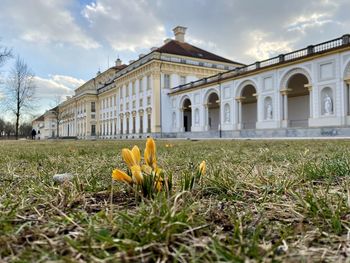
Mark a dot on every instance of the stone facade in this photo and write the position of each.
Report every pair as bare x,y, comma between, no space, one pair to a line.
167,93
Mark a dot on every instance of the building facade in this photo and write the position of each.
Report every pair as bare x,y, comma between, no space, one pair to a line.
179,90
132,101
46,125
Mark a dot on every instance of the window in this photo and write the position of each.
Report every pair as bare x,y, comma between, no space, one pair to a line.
182,80
166,81
127,91
110,102
141,124
148,82
149,100
127,106
133,88
121,126
148,123
127,125
140,85
121,92
141,103
93,106
121,107
93,130
133,124
134,104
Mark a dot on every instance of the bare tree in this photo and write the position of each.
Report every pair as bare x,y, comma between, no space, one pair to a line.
5,54
19,91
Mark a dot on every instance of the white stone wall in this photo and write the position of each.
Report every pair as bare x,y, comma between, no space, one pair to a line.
325,75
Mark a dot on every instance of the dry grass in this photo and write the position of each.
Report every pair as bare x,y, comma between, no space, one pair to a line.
260,201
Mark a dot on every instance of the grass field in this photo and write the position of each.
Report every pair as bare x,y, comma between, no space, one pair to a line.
260,201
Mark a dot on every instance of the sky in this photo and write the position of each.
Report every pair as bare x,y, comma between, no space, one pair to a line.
65,42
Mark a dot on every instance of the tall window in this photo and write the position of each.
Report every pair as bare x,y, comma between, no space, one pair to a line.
127,90
115,126
127,125
140,85
133,124
166,81
133,88
149,100
133,104
93,106
148,82
141,103
141,124
121,126
121,92
148,123
93,130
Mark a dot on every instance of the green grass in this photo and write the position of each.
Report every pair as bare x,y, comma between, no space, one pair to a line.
268,201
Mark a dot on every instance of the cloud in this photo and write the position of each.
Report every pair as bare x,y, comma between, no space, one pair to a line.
46,22
124,24
263,49
56,86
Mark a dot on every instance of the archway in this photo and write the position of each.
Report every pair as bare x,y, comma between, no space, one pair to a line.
298,101
187,115
249,107
213,111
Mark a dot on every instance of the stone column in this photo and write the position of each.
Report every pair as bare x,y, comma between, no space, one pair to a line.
206,117
311,99
284,93
239,112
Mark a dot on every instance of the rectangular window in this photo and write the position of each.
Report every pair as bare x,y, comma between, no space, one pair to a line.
148,82
121,92
134,104
141,103
115,126
133,124
121,107
166,81
93,106
140,85
121,126
182,80
127,91
133,88
127,125
127,106
149,100
93,130
148,123
141,124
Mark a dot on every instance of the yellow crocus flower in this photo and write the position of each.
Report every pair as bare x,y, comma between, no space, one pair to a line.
128,158
119,175
202,168
137,155
146,169
137,174
150,153
159,185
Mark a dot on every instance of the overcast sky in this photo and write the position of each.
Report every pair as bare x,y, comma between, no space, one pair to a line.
65,42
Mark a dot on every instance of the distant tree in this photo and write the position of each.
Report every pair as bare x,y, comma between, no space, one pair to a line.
19,91
2,127
25,129
9,129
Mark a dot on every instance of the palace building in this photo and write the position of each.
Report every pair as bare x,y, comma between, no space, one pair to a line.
181,91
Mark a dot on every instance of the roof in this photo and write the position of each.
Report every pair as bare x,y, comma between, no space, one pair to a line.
40,118
184,49
119,67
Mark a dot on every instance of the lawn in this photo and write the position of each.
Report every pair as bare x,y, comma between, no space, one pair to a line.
265,201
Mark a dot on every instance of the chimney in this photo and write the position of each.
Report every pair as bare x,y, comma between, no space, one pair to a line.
118,62
179,33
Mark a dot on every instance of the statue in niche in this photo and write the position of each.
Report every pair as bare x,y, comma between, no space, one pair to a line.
196,117
328,105
269,111
227,114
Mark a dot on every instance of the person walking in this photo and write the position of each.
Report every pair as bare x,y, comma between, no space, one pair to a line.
33,134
